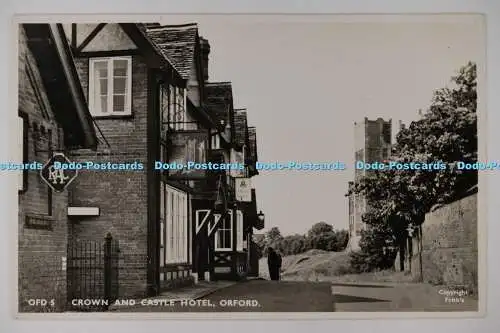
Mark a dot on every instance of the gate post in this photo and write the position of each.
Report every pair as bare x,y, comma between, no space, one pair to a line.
107,267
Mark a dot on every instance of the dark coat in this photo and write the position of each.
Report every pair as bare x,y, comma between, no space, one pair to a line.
274,264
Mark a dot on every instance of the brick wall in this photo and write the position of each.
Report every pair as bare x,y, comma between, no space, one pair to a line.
40,250
448,247
120,195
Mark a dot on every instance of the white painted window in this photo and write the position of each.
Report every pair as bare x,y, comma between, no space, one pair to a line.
239,231
224,234
176,231
110,86
20,152
215,141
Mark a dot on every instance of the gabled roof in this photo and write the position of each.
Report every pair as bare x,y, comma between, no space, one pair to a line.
50,47
219,99
177,43
152,52
240,127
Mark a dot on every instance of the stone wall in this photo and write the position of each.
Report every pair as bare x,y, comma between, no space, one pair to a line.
447,252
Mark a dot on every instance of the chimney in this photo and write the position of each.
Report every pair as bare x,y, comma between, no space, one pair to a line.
205,50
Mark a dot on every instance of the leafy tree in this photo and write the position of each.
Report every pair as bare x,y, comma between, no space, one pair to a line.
378,250
294,244
273,236
319,228
322,236
260,243
342,239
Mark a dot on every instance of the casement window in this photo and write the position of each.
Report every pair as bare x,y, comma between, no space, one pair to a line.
224,234
22,151
110,86
175,226
239,231
177,108
215,141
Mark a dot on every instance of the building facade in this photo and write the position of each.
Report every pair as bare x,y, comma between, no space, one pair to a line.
53,118
372,142
135,95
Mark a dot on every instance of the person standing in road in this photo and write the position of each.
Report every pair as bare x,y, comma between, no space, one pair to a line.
274,264
279,267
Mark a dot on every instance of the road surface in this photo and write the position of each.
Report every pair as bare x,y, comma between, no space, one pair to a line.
255,296
402,297
295,296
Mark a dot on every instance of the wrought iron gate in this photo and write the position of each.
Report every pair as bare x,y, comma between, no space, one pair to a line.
92,273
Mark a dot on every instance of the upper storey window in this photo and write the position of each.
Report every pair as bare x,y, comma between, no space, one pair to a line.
110,86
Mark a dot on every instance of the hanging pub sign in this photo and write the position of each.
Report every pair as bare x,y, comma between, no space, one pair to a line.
243,188
187,155
237,158
58,172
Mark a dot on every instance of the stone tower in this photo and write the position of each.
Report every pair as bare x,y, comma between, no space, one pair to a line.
372,143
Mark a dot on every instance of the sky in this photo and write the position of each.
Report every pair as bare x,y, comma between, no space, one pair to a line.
305,80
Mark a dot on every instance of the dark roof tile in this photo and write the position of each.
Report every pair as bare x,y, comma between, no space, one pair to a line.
240,127
219,99
177,43
252,142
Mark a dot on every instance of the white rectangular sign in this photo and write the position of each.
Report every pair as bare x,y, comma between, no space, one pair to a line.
237,157
243,189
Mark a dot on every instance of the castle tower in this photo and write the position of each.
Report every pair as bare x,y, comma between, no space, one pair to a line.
372,143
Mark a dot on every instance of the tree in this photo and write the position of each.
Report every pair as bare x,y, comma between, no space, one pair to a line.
447,134
342,239
273,235
322,236
294,244
319,228
377,250
260,243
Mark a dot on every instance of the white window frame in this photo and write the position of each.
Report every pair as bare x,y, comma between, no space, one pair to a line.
215,141
221,228
128,97
239,231
176,231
